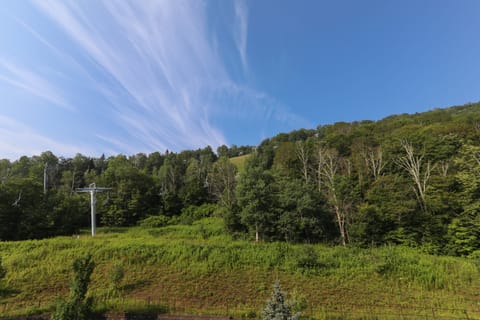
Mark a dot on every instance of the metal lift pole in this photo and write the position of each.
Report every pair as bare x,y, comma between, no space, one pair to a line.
93,202
93,189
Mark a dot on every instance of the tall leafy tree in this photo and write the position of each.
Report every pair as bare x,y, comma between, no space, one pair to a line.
256,200
303,214
194,190
464,237
132,196
222,181
388,214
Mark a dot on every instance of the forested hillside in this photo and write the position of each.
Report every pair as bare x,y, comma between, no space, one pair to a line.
409,179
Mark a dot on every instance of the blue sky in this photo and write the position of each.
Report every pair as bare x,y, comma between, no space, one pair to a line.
109,77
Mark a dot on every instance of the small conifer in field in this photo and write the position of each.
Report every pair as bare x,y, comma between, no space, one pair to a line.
277,307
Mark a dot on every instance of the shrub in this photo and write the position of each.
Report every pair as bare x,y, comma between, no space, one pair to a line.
78,306
3,272
191,214
154,222
116,276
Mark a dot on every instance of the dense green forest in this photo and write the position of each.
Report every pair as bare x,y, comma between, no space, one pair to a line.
406,179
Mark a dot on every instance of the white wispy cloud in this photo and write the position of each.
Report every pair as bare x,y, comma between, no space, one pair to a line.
241,30
59,54
159,55
164,78
18,139
32,83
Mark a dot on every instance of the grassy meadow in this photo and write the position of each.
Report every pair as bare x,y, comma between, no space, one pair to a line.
239,162
198,269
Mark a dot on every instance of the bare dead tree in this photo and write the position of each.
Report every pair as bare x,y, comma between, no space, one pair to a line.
443,167
321,158
374,161
419,171
17,201
328,164
303,155
347,167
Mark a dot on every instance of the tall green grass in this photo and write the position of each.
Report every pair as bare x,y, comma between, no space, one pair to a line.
200,262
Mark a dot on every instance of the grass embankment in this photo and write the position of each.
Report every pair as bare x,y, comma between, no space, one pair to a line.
198,269
239,162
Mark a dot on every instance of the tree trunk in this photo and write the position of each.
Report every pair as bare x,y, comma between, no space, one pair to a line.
341,226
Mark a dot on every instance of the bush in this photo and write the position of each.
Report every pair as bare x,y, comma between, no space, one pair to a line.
154,222
191,214
116,277
78,306
3,272
307,258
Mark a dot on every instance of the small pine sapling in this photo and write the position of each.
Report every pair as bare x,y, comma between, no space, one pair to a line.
277,307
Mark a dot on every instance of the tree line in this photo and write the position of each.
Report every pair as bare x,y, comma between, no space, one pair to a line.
406,179
38,198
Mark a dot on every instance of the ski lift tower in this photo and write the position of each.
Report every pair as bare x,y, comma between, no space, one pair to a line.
93,189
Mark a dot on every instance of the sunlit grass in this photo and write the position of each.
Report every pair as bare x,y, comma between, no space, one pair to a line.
199,269
239,162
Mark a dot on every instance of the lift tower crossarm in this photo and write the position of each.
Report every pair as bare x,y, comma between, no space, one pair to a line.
93,189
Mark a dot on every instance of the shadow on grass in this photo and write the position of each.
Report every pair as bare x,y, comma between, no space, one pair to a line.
129,287
7,293
104,230
126,316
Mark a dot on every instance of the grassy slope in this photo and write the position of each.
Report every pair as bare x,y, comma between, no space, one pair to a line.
239,162
202,270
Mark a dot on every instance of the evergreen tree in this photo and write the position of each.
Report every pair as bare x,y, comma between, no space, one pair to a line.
278,308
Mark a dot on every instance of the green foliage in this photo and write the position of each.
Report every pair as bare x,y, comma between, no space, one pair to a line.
78,306
464,235
178,262
388,209
191,214
239,162
131,193
303,214
338,183
116,276
277,307
221,182
256,200
3,273
154,221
